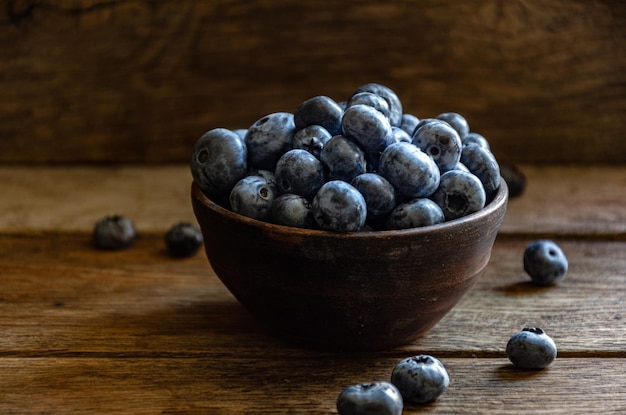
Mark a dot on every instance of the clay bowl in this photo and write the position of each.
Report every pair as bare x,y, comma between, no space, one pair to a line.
348,291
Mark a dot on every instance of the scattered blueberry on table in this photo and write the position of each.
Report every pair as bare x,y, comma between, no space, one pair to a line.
420,379
531,348
183,240
545,262
375,398
114,233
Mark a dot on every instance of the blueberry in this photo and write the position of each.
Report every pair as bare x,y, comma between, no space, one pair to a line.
375,398
415,213
241,133
441,142
420,379
531,348
411,171
425,121
268,139
514,178
218,161
183,240
408,123
292,210
395,105
367,126
400,135
459,194
253,196
476,138
114,233
370,99
545,262
379,194
339,206
343,159
457,121
299,172
311,139
319,110
483,164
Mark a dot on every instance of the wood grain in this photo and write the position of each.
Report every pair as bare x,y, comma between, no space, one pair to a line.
253,384
140,81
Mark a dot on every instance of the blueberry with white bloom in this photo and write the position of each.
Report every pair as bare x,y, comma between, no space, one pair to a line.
183,239
414,214
114,233
268,139
367,126
425,121
253,196
420,379
319,110
343,159
459,194
531,348
545,262
379,194
292,210
370,99
299,172
456,121
473,137
311,139
408,123
218,161
339,206
400,135
375,398
483,164
412,172
441,142
395,105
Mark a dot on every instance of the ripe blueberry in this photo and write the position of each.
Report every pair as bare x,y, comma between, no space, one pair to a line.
545,262
268,139
411,171
253,196
183,240
114,232
420,379
299,172
531,348
343,159
367,126
456,121
311,139
408,123
483,164
395,105
292,210
319,110
415,213
373,100
375,398
459,194
440,141
218,161
339,206
379,194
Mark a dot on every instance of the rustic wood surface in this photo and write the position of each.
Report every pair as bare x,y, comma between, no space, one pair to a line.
136,332
140,81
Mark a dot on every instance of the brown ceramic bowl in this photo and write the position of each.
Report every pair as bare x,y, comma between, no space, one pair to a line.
348,291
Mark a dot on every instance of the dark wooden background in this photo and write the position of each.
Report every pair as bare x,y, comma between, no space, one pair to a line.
138,81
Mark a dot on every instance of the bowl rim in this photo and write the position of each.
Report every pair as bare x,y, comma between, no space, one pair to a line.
498,200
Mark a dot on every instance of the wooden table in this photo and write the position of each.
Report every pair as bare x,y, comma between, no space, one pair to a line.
136,332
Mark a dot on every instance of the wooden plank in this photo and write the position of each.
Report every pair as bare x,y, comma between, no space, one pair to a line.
62,297
140,81
561,200
251,383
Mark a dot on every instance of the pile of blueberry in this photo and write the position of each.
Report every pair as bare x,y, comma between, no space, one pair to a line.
346,166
